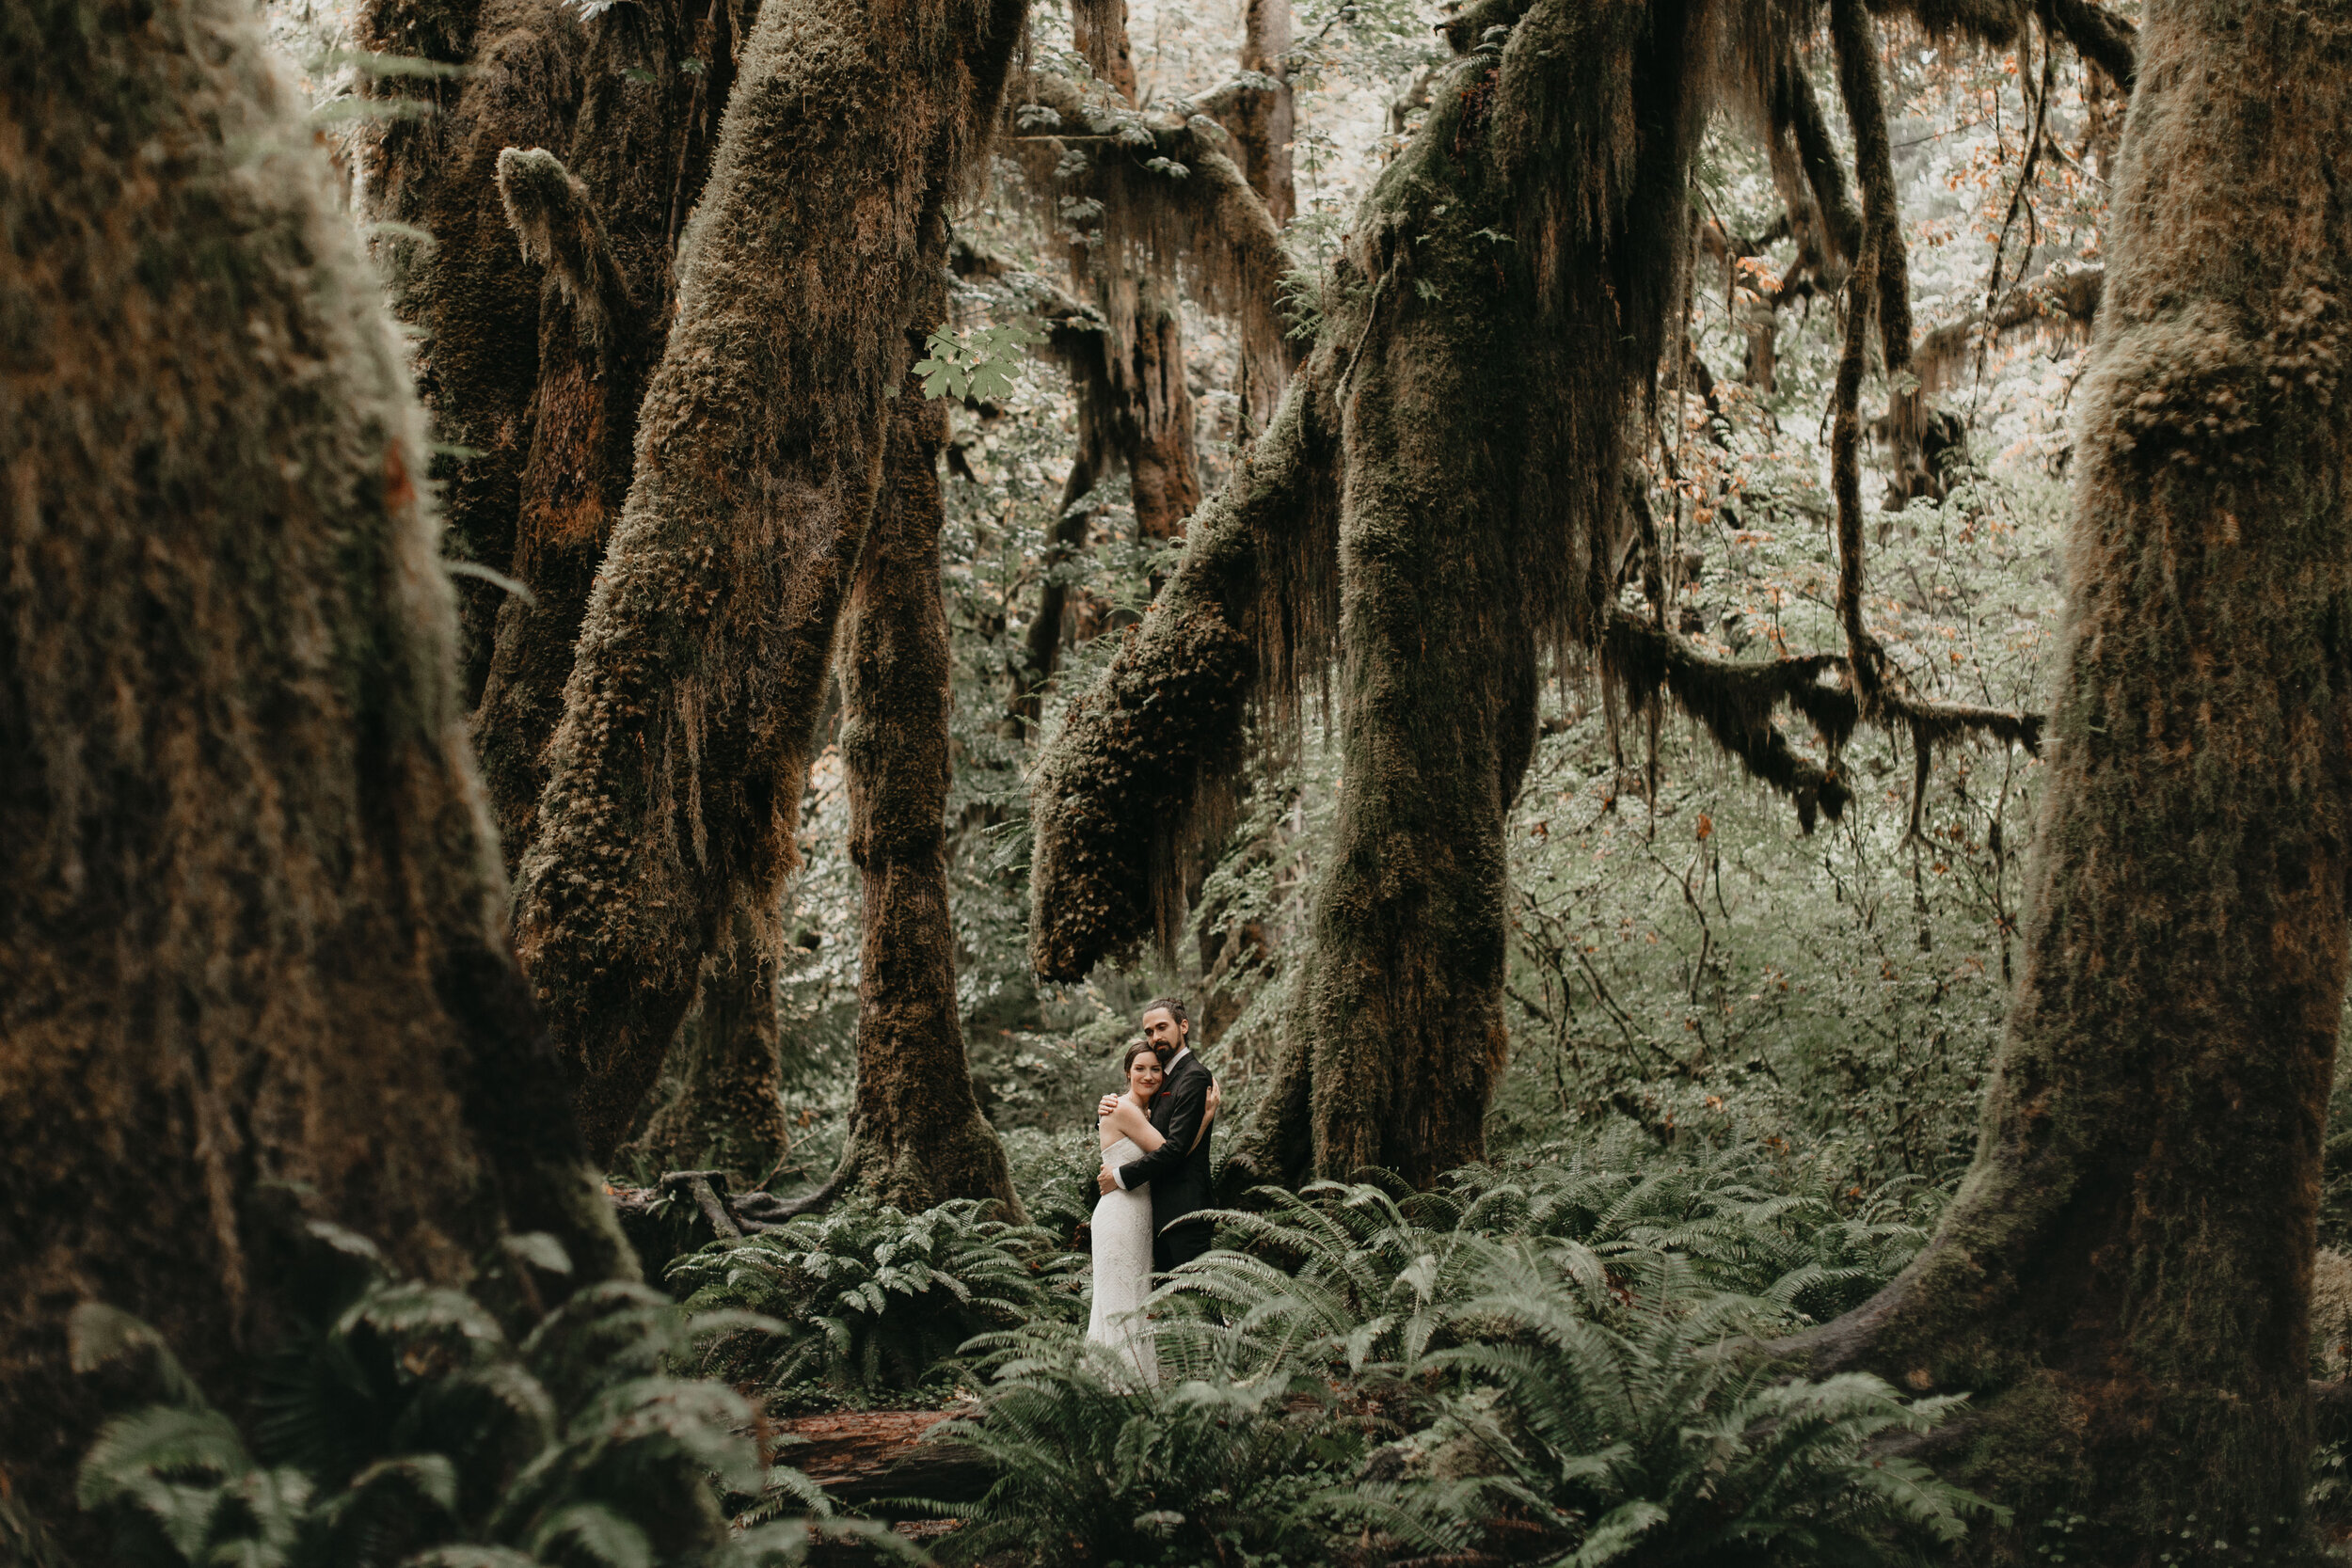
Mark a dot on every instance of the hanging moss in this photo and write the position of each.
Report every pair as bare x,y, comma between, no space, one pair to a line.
1145,763
1735,702
1207,229
675,776
2124,1278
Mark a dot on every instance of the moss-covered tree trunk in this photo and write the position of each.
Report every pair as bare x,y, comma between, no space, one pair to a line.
596,344
1154,426
252,957
465,287
1264,119
918,1136
1502,298
2124,1276
675,776
723,1108
603,232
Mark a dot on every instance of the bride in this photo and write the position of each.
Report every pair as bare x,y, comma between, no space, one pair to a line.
1122,1220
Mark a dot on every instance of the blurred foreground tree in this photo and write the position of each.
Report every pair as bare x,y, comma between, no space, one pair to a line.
253,967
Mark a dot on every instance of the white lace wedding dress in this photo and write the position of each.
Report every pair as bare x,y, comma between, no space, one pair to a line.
1123,1269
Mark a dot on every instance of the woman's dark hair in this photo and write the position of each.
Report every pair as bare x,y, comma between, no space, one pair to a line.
1133,1052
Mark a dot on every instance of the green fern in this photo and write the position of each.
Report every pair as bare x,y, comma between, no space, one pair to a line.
871,1301
1216,1464
1655,1443
1528,1361
406,1428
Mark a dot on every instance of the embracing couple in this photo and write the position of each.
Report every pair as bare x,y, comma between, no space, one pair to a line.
1154,1180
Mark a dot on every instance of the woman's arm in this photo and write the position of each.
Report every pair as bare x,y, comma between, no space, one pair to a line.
1131,1121
1216,1097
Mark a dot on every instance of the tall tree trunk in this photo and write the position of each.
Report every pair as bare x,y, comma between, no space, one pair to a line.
1155,425
1263,120
468,290
675,777
604,232
2124,1278
917,1135
1508,368
645,144
724,1108
1444,604
252,958
594,344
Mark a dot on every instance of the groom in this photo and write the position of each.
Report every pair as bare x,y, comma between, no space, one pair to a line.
1179,1169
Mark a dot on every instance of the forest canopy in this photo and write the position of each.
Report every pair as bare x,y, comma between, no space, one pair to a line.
1697,647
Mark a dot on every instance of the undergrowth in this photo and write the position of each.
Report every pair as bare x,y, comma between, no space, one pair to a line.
401,1425
871,1303
1541,1364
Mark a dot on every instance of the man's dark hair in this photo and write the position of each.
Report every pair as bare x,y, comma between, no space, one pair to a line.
1175,1010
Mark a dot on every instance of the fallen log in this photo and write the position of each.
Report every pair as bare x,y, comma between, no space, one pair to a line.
865,1458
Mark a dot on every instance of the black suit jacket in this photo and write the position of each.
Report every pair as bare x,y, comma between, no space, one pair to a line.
1178,1171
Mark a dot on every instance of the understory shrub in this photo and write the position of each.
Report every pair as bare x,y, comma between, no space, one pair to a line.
1534,1366
869,1303
403,1427
1053,1173
1219,1463
1644,1437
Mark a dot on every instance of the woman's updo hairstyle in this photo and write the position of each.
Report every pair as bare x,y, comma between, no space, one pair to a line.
1128,1061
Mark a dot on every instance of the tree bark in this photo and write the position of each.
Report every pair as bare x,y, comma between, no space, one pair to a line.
604,230
252,964
467,291
1507,368
1155,424
2126,1275
1263,120
871,1458
918,1137
724,1108
675,776
593,355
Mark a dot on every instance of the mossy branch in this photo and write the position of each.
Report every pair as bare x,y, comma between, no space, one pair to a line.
557,223
1796,108
1209,221
1735,702
2063,300
2101,36
1142,766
